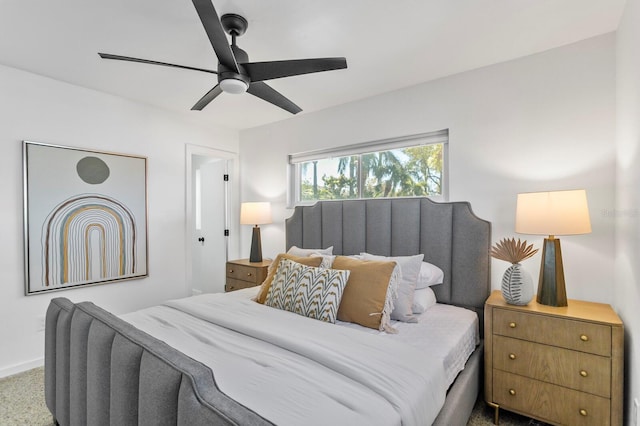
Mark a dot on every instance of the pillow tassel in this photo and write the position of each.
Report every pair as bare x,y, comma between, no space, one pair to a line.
388,329
392,294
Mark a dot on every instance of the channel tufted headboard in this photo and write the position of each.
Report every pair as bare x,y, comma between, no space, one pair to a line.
448,234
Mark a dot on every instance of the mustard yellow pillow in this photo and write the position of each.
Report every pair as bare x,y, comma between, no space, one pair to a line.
266,284
365,300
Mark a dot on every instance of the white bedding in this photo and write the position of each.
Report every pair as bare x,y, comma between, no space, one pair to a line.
294,370
445,332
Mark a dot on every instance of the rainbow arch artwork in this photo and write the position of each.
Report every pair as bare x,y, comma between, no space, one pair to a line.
85,217
88,238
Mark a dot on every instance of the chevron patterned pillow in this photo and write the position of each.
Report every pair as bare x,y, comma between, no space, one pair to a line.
306,290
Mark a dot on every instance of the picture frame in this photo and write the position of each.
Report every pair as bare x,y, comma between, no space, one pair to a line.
85,217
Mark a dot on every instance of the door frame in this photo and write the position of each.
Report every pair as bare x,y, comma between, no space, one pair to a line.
231,198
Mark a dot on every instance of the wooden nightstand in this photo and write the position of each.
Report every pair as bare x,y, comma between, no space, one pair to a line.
242,274
561,365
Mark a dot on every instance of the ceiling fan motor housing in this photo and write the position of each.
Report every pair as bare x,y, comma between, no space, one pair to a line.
225,74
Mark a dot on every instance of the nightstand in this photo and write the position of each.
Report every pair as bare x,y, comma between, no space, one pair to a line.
561,365
242,274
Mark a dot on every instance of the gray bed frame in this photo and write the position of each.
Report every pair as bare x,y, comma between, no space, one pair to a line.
101,370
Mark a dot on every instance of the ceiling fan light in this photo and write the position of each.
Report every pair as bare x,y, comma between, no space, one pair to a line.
233,86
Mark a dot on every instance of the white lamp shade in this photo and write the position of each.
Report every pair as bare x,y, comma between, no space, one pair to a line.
553,213
255,213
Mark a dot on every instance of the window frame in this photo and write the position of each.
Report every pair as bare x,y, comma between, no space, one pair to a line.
421,139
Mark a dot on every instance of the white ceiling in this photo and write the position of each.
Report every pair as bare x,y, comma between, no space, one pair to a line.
388,45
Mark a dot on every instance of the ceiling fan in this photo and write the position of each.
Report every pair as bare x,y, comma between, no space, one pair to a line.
235,73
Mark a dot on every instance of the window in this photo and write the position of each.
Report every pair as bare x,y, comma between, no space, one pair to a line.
401,167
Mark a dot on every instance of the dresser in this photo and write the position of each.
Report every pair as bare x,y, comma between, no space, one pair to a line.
561,365
242,274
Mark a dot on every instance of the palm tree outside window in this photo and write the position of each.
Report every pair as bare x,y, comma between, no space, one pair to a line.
401,167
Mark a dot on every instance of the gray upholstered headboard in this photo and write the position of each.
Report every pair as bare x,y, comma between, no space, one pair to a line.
448,234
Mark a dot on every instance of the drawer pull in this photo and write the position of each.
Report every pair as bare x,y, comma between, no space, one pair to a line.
512,392
231,271
584,337
583,412
512,356
248,274
583,373
512,325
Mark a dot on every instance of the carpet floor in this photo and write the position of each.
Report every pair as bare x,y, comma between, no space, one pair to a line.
22,403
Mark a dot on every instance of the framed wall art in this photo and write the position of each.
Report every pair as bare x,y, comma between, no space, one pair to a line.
85,217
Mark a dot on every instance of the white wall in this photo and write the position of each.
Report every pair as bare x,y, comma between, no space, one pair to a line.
542,122
43,110
627,266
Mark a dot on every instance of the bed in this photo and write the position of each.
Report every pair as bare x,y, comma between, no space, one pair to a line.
101,369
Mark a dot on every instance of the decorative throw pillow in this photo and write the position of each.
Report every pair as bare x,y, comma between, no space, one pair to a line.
409,270
429,275
264,288
308,291
423,299
368,297
306,252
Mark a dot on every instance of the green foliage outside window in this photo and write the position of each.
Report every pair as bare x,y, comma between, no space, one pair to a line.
413,171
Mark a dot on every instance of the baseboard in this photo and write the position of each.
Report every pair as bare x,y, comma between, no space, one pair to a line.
19,368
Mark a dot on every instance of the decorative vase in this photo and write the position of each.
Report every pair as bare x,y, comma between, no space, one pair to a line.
517,285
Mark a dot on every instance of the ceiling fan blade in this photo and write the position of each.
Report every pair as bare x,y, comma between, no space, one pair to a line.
264,91
147,61
204,101
259,71
216,34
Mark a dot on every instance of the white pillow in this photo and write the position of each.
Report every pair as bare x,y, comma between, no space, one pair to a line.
409,271
303,252
327,260
429,275
423,299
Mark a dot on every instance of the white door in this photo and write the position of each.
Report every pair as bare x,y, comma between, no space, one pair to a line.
208,218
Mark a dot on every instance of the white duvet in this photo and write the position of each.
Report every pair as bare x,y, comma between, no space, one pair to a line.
294,370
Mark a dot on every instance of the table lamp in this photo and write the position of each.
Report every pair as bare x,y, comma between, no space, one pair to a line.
255,214
552,213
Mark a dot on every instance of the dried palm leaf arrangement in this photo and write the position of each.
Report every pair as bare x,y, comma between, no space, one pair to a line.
517,285
512,251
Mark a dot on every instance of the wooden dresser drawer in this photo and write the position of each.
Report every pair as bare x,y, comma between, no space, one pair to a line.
571,334
551,403
233,284
240,272
576,370
243,273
